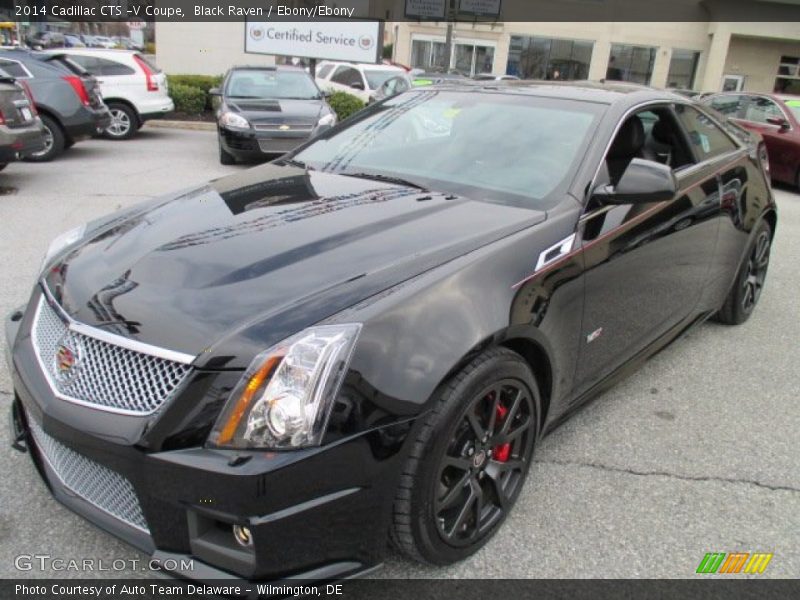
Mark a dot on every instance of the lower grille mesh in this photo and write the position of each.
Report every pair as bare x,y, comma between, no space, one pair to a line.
106,489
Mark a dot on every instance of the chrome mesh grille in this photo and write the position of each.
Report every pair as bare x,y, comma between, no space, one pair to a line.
104,375
106,489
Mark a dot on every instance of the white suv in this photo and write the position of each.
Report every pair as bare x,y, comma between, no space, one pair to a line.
361,80
133,88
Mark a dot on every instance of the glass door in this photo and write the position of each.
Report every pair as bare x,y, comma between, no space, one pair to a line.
471,59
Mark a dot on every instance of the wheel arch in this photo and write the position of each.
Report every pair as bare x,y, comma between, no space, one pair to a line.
531,347
771,217
45,110
539,362
128,103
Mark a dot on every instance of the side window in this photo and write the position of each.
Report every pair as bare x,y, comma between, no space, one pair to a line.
728,105
323,72
89,63
760,109
390,87
14,68
347,76
111,67
707,139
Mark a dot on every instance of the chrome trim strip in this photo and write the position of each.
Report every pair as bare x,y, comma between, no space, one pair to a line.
563,247
113,338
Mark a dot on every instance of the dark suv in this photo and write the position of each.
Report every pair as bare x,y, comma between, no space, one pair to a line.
20,131
67,98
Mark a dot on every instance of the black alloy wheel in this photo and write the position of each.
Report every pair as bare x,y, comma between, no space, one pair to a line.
756,273
749,284
468,460
484,463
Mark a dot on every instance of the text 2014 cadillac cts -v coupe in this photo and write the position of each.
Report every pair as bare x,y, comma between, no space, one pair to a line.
275,372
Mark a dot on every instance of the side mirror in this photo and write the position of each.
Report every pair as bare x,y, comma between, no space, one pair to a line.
326,94
642,182
215,92
357,85
779,121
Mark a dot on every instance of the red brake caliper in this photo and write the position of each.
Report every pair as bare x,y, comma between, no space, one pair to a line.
503,451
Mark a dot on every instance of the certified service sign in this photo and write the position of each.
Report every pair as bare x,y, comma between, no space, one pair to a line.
352,41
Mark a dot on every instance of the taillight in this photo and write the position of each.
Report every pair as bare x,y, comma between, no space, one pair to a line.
2,118
29,95
152,84
80,89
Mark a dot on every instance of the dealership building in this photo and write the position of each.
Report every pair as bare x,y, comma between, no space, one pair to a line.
695,55
700,55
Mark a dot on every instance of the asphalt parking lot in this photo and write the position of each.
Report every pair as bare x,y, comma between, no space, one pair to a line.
698,452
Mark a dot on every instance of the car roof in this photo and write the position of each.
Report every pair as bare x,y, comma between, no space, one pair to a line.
88,51
607,92
267,68
356,65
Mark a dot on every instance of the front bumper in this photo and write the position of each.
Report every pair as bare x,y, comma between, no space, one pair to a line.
251,144
311,513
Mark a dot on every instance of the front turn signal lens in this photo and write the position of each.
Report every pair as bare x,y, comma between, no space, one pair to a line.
284,398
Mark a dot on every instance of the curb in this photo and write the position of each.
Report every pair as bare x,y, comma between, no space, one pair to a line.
193,125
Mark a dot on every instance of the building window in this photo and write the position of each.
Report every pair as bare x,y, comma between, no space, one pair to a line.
682,69
428,55
788,80
468,58
631,63
545,58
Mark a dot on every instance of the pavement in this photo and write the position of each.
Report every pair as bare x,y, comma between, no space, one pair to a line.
697,452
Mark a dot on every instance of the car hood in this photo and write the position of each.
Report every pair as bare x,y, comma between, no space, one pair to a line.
257,110
225,270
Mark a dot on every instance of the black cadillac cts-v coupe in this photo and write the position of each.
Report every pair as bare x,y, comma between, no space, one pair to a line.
275,372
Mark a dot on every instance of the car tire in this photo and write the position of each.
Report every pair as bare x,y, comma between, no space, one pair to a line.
225,158
124,122
457,487
749,283
54,141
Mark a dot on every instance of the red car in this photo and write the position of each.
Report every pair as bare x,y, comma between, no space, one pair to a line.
775,117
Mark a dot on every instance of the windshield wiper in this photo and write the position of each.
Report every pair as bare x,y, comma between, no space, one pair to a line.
296,163
387,179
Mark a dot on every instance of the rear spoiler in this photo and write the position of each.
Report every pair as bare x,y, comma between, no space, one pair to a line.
64,60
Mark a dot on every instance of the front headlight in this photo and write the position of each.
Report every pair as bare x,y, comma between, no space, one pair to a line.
62,241
231,119
284,398
329,119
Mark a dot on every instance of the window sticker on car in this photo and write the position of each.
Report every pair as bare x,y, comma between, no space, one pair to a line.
705,143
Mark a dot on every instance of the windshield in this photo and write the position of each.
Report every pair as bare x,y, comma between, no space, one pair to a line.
499,147
252,83
376,77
